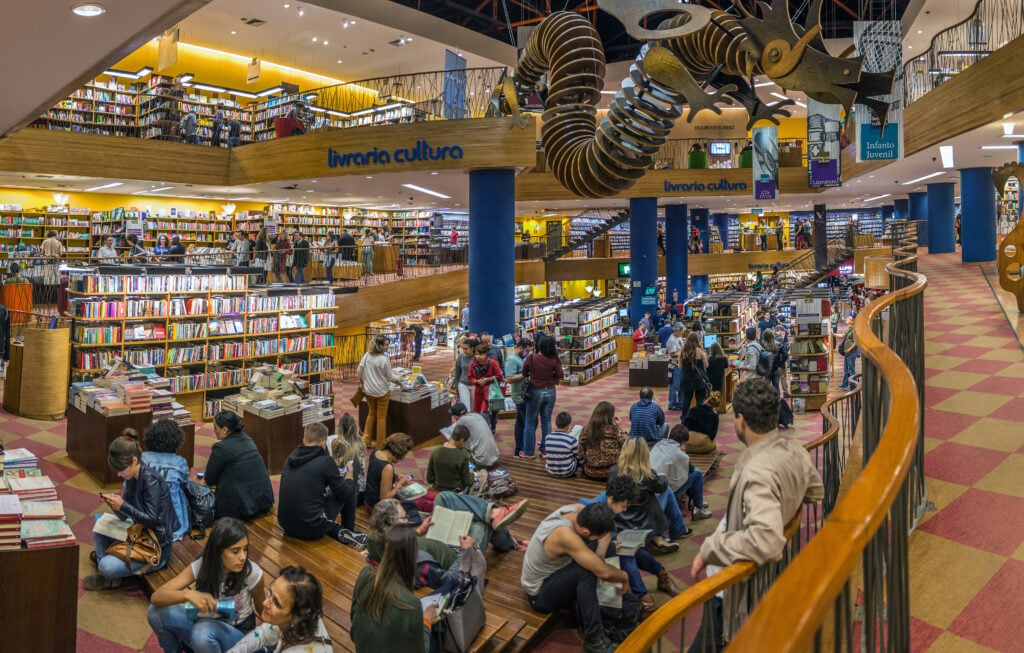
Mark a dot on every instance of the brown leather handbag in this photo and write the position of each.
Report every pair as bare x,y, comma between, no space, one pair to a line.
142,546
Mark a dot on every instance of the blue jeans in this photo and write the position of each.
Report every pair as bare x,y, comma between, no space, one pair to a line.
673,388
520,427
329,266
849,367
540,405
172,629
299,275
676,523
692,489
632,565
113,567
480,529
366,253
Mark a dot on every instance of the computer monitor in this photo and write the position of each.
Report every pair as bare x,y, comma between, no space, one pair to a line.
720,148
689,311
623,312
709,339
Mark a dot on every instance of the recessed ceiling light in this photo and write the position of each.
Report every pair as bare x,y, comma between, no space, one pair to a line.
920,31
369,176
234,32
89,10
339,60
325,42
286,6
301,12
314,39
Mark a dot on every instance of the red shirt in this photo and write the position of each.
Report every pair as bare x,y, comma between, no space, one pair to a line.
544,372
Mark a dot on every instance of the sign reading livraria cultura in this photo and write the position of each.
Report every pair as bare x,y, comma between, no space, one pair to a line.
421,151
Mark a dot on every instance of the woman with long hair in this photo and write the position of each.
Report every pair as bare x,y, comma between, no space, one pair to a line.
460,373
544,370
223,573
386,615
718,363
693,364
769,345
261,253
350,449
375,379
292,617
163,247
600,441
282,252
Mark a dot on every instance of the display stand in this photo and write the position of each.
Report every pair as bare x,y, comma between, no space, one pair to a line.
810,359
590,348
422,419
37,377
654,373
39,600
91,432
385,258
277,437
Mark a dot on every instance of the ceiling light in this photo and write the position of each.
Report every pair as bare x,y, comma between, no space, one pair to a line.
110,185
139,74
314,39
999,147
234,32
154,190
286,6
963,53
339,60
301,12
920,31
89,10
427,191
207,87
434,173
914,181
872,199
325,42
1007,128
946,152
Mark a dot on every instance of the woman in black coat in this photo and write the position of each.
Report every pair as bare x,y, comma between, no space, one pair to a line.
718,363
237,472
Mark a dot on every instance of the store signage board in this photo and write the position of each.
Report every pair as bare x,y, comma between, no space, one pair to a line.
824,142
684,188
766,163
420,151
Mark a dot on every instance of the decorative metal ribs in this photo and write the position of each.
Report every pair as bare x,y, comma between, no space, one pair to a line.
1010,259
698,57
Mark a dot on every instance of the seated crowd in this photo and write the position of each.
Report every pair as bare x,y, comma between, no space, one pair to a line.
221,602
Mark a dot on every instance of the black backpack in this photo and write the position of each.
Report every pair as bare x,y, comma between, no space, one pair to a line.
200,508
765,362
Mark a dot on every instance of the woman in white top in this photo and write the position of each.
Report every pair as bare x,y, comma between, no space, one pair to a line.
366,251
292,617
224,574
375,379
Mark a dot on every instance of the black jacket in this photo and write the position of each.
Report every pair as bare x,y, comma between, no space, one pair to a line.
147,501
240,477
301,254
347,247
305,477
644,511
702,419
716,372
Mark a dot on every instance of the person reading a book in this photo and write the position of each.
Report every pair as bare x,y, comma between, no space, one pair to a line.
563,447
314,491
162,438
381,480
222,573
561,570
236,471
483,450
669,458
448,467
292,617
144,499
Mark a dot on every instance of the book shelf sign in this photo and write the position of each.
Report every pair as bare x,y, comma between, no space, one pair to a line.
253,71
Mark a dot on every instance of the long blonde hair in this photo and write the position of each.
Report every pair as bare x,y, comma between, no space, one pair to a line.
635,460
690,349
349,445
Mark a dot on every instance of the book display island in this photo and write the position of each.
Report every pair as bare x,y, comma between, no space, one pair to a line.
810,355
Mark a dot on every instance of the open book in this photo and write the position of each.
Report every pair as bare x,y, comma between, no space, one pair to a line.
607,593
628,541
108,524
448,525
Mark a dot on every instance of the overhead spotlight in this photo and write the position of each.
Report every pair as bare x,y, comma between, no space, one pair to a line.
89,10
314,39
325,42
301,12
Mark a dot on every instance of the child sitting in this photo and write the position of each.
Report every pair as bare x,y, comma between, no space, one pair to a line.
563,447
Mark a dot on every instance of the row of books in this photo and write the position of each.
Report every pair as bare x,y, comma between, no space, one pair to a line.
157,283
33,524
809,385
818,364
15,459
808,346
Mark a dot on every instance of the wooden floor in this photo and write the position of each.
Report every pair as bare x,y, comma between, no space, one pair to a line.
512,625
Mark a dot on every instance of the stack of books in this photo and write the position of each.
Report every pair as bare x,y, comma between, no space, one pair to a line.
42,510
136,396
266,408
162,403
316,409
43,533
14,459
291,403
10,522
32,488
181,414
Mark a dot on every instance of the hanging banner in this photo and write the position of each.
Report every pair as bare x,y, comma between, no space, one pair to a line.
454,90
766,163
253,71
880,43
824,126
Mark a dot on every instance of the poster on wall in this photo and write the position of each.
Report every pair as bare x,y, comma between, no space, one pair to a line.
766,163
880,43
824,127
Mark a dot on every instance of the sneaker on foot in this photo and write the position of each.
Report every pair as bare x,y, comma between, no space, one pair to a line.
502,516
96,582
598,645
701,513
660,546
353,539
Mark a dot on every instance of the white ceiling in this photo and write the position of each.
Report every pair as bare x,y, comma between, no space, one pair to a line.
47,51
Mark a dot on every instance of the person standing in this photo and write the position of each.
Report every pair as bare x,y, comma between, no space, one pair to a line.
53,250
189,127
460,372
483,372
346,246
107,253
780,228
261,253
544,370
301,256
236,471
772,479
693,364
176,254
664,333
849,350
673,348
464,317
514,375
749,352
331,257
453,237
417,341
661,240
218,124
375,379
282,254
366,252
242,248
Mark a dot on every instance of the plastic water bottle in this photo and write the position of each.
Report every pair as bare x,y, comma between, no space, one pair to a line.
476,481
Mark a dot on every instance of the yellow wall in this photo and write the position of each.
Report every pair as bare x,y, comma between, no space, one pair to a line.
578,289
751,220
539,291
33,199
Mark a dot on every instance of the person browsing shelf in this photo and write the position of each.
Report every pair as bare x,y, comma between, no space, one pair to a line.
718,363
292,617
448,467
375,379
236,471
136,253
107,253
483,450
176,254
693,363
483,372
300,259
222,573
750,350
162,248
673,346
460,373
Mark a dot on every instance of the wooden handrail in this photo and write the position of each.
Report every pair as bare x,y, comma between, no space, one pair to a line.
828,417
790,614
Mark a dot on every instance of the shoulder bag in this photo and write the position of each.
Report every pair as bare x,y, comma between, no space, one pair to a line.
200,508
527,387
142,546
463,616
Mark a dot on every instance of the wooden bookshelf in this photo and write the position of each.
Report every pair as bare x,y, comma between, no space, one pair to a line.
205,331
589,330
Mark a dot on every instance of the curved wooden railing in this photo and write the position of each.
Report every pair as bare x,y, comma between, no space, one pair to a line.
874,519
839,423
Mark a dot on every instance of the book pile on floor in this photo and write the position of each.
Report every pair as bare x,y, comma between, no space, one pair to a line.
31,514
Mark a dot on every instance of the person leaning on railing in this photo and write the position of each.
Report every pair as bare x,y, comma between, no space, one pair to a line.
770,482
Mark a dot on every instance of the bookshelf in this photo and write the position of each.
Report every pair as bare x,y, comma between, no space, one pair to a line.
810,356
205,331
727,315
1008,209
411,231
590,348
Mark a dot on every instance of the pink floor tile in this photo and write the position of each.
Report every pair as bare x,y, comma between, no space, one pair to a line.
983,520
962,464
992,619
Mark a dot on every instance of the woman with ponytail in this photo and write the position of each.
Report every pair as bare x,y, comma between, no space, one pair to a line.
237,472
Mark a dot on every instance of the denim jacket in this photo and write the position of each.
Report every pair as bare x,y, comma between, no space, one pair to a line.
174,470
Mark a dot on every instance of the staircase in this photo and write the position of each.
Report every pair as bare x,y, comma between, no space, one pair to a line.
802,273
585,227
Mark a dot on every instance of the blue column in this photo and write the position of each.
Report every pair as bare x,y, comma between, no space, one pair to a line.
492,266
701,284
919,214
888,211
643,254
677,254
700,218
941,214
977,215
721,220
1020,151
902,209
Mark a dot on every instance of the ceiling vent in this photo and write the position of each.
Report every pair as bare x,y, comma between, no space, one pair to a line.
254,22
399,42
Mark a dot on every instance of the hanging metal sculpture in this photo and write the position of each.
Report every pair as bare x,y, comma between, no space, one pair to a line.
1010,258
698,58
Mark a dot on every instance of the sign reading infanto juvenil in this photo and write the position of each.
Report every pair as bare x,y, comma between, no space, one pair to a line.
421,151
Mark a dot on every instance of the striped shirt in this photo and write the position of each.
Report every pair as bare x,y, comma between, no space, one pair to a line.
563,452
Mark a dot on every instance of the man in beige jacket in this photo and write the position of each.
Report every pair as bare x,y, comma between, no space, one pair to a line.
772,479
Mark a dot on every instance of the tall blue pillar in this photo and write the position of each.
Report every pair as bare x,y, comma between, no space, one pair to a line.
1020,151
941,218
888,211
701,284
677,254
643,256
902,209
919,214
977,215
700,218
492,242
721,220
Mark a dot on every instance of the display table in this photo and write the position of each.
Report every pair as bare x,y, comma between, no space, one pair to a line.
40,599
750,242
37,377
277,437
90,434
415,418
385,258
654,375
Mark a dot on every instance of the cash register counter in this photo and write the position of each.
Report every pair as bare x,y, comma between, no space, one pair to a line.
420,413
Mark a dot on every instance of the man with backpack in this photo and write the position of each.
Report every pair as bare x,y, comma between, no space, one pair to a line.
754,360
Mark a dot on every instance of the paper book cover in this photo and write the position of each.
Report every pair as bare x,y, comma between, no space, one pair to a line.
30,484
42,510
412,491
449,525
45,529
22,473
110,525
607,593
10,506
